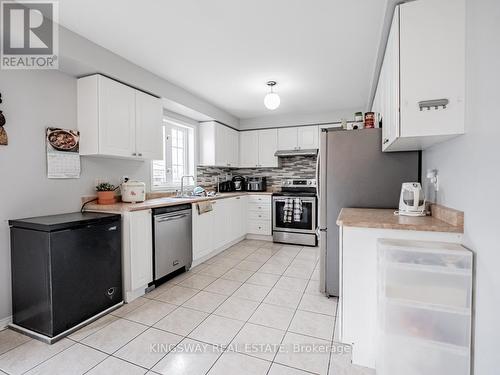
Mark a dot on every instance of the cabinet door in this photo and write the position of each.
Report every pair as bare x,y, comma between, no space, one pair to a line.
141,249
148,126
308,137
389,86
249,148
116,118
233,140
206,137
268,145
432,66
221,218
287,139
222,146
391,92
240,212
203,233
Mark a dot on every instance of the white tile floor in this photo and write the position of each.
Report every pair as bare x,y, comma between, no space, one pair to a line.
245,311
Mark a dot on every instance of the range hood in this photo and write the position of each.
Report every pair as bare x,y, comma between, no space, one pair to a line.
302,152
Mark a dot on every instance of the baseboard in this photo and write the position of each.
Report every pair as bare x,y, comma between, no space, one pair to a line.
259,237
4,322
134,294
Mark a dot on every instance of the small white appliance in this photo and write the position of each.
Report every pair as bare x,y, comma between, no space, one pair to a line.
133,191
411,200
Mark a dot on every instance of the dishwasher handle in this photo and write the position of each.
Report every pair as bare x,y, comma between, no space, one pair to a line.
170,217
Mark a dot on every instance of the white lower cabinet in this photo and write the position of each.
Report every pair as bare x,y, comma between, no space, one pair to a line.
219,228
137,254
222,222
424,308
203,232
259,215
358,306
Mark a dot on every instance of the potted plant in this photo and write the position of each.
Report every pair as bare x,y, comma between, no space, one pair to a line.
105,193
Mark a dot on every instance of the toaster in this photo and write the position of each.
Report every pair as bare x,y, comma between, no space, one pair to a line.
133,191
256,184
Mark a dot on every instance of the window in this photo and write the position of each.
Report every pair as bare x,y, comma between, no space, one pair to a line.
178,157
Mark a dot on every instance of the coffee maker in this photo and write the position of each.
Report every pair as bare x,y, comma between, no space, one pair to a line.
239,183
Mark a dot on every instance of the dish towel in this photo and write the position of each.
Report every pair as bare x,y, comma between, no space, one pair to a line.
297,209
288,210
204,207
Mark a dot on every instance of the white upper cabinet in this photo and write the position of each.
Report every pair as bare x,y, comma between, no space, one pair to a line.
308,137
388,92
298,138
268,145
424,62
148,120
288,139
257,148
219,145
249,145
117,120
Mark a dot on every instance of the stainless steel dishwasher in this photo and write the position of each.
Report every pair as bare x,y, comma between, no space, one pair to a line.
172,240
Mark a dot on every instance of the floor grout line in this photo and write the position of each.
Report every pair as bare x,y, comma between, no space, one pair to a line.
225,348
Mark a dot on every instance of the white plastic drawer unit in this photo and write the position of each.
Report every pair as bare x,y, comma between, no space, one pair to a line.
415,357
424,307
432,325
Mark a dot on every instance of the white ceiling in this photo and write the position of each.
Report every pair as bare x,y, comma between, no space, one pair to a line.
321,52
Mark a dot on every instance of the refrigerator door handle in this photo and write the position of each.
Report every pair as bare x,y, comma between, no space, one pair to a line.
322,170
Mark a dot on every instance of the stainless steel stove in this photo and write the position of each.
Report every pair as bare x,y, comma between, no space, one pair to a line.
299,226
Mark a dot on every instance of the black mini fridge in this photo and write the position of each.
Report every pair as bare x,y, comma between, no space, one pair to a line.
66,270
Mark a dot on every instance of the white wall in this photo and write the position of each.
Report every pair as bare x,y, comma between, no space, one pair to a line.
469,170
79,56
33,100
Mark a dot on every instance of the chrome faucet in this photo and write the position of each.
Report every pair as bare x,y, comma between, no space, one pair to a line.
182,185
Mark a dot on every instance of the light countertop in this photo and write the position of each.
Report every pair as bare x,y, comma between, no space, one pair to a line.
442,220
162,202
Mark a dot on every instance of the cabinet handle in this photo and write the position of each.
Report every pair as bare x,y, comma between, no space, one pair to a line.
386,141
140,154
134,154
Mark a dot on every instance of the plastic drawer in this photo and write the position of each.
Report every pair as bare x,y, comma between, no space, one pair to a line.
413,357
425,253
451,290
434,325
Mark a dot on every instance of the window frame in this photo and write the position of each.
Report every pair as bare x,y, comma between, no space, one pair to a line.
191,155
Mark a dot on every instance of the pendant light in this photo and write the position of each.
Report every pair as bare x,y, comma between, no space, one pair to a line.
272,100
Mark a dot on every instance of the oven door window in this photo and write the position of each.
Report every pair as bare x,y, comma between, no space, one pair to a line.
306,219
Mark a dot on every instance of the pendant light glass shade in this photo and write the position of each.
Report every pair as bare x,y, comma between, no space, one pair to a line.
272,100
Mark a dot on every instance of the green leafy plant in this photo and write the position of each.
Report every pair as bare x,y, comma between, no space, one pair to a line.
105,186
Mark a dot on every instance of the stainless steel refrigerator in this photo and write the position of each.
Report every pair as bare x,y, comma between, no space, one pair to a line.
354,172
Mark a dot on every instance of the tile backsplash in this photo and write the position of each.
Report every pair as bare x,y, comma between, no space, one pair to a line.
289,167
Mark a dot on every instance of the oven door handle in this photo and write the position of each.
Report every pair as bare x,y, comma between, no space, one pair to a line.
307,200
